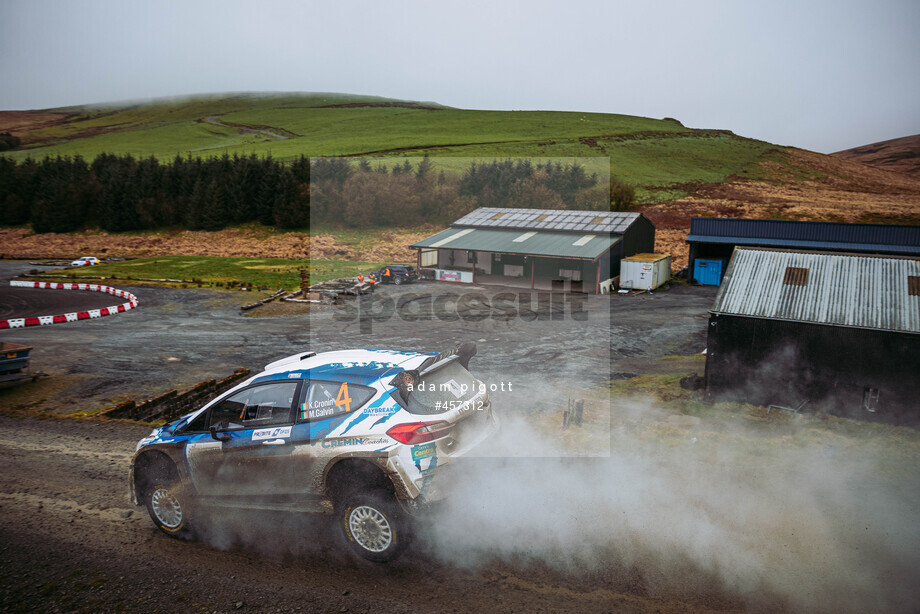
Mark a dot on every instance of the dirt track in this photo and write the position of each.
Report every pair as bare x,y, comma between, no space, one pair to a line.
72,542
678,519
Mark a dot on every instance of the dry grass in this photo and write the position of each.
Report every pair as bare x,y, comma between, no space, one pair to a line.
377,246
22,123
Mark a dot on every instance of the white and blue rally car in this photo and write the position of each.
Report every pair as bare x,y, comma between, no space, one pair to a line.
364,434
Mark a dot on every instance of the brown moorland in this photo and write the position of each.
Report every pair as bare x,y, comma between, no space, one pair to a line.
379,246
24,123
807,186
902,155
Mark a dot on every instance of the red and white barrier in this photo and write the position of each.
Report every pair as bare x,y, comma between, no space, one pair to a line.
70,317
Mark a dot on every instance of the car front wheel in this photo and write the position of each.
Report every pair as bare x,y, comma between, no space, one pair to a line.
373,525
169,506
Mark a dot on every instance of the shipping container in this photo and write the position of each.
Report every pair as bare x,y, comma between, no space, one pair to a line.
645,271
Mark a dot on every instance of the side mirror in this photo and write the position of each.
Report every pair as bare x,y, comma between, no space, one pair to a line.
219,435
403,380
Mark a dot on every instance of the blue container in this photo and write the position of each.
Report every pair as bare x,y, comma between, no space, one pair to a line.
707,272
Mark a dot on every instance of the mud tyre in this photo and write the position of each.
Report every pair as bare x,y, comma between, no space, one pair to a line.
372,525
169,506
398,281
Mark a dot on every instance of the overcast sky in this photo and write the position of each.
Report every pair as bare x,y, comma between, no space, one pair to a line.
824,75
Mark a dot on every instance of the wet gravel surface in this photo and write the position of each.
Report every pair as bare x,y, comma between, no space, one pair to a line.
28,302
71,541
180,337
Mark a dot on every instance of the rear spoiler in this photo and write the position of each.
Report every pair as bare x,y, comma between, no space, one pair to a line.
409,378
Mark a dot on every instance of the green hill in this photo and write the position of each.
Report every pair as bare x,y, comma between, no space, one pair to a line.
662,158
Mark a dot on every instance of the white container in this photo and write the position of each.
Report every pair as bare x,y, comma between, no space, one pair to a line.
645,271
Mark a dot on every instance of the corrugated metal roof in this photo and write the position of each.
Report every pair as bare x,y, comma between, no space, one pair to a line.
601,222
558,244
841,289
879,238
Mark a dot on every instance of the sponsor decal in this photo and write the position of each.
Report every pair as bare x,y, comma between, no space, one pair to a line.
354,441
455,389
420,452
271,433
425,457
295,375
448,276
382,410
319,412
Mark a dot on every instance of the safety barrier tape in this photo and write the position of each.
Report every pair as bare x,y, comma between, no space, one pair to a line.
70,317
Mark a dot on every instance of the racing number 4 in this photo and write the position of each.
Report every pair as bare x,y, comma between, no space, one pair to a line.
343,398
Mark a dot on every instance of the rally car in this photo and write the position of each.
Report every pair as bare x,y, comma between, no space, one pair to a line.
362,434
85,261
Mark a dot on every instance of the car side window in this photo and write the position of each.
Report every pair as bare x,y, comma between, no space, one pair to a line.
327,399
265,405
198,424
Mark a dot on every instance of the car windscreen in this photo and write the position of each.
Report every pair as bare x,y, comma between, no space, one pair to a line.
442,390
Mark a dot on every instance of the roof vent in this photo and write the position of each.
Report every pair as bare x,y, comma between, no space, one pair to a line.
795,276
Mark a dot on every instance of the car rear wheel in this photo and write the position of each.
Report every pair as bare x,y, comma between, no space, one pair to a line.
169,507
398,281
373,525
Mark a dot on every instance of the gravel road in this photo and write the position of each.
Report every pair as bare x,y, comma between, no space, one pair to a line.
684,527
71,541
177,338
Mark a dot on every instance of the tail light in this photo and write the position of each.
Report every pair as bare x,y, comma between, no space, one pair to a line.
412,433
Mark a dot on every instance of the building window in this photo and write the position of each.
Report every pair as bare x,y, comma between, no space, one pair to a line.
795,276
913,285
571,274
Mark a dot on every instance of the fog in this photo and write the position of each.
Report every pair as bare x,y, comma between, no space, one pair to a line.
710,511
806,528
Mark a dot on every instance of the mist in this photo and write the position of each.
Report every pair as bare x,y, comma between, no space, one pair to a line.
712,511
702,515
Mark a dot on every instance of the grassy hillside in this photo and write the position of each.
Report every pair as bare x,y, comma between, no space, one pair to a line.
678,172
661,157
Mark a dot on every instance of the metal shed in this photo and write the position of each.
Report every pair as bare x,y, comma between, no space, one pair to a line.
712,240
833,330
536,248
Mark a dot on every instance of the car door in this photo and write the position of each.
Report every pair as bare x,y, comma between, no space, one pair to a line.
325,407
254,459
